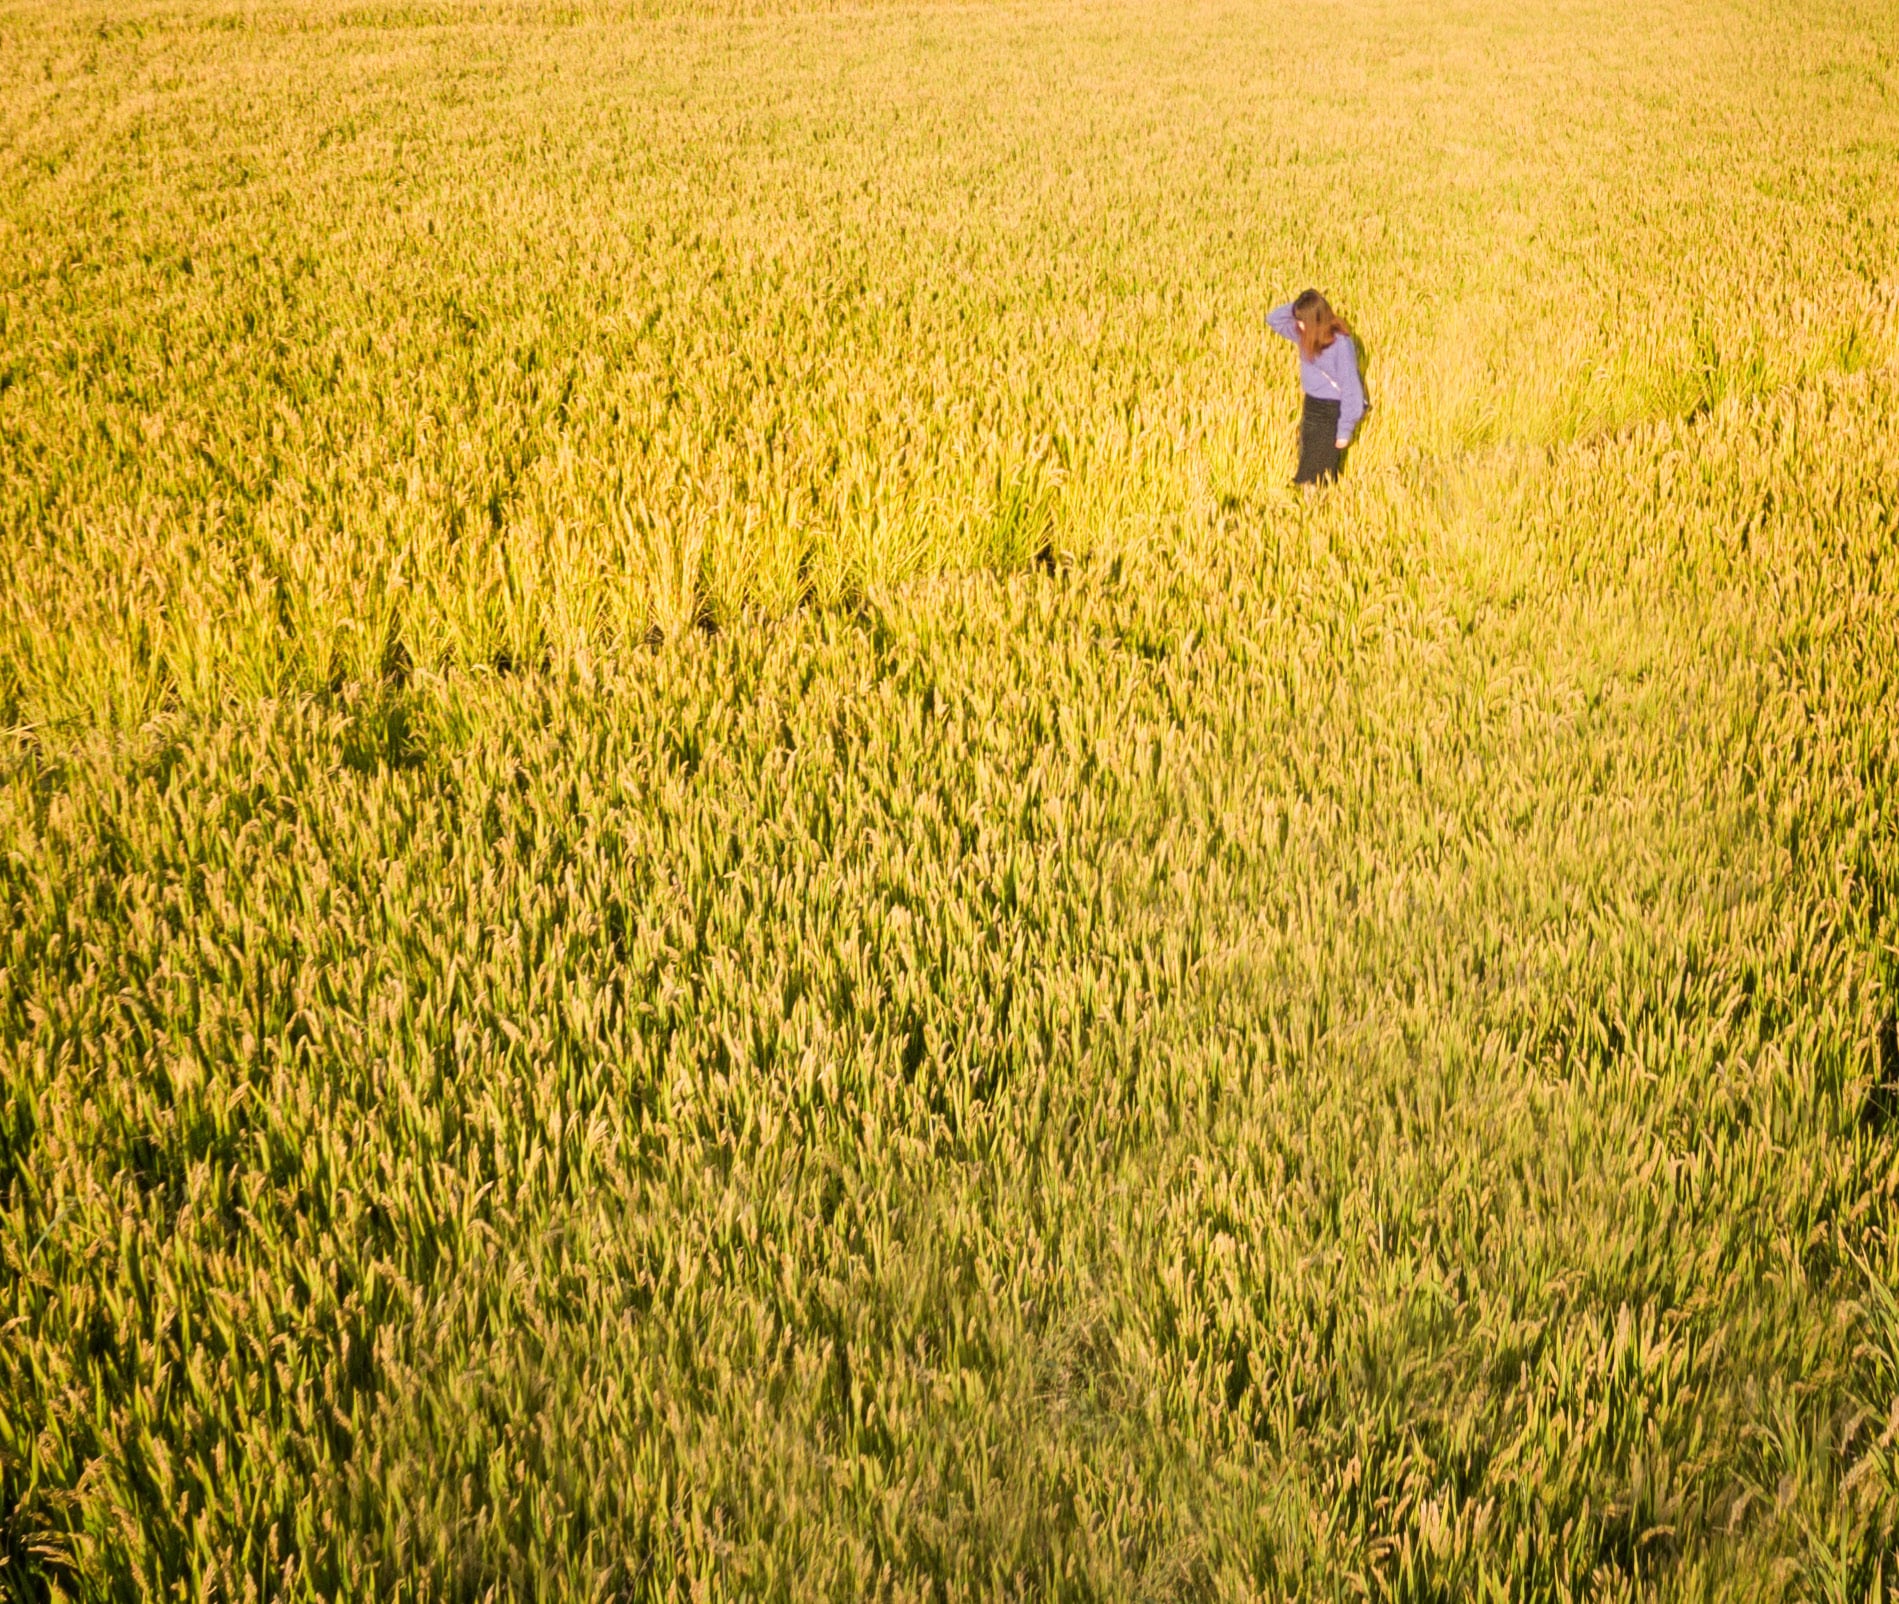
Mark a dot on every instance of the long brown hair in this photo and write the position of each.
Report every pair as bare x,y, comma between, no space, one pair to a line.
1318,324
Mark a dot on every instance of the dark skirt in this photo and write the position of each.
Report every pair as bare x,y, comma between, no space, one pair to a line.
1318,443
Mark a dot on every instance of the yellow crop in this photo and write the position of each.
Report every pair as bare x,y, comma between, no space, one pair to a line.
708,891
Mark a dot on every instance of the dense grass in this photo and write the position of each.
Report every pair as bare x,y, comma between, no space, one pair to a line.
337,340
1107,1031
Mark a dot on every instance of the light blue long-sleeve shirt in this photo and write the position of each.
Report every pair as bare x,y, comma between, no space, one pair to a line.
1331,376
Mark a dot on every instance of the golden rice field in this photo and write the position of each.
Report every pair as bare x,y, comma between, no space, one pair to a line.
709,892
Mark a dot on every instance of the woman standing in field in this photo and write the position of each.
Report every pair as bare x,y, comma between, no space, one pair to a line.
1328,373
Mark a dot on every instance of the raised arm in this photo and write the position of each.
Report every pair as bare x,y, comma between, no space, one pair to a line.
1281,321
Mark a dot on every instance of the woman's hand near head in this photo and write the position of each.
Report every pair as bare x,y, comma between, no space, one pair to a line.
1281,321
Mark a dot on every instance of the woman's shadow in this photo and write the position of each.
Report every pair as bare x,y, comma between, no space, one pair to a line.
1364,360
